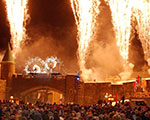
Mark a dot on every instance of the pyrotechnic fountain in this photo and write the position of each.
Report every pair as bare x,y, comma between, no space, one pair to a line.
121,19
141,11
122,12
17,17
85,13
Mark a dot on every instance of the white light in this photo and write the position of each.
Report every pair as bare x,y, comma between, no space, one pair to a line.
40,65
11,97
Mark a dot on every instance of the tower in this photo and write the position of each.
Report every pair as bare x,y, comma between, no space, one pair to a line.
7,69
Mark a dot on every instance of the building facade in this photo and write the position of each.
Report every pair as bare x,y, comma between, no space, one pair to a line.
72,90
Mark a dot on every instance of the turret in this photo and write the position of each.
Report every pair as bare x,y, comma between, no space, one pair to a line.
7,66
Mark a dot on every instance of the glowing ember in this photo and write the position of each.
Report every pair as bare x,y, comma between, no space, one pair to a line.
85,13
121,16
17,16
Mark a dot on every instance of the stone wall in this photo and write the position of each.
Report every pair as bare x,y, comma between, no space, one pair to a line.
2,89
92,92
70,89
95,91
73,90
80,93
7,70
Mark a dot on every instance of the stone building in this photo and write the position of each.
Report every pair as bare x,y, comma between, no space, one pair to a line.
69,88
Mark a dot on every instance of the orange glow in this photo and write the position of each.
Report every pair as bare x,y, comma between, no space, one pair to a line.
85,13
121,18
17,16
11,97
141,12
111,99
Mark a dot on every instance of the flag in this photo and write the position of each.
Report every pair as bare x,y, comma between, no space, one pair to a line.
139,81
134,84
116,97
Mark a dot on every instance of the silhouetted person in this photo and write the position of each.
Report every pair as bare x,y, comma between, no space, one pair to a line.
123,98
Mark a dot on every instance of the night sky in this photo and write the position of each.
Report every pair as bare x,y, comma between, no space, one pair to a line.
51,25
52,32
53,16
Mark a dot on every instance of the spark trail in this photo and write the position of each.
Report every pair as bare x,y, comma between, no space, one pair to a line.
141,11
42,66
17,17
85,13
121,18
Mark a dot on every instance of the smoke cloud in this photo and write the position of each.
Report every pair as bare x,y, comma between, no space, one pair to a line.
44,44
52,32
104,59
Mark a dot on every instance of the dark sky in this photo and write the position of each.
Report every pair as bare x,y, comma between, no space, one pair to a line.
51,27
51,15
52,32
4,28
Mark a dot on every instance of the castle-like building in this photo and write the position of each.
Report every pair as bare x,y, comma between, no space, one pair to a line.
72,89
7,71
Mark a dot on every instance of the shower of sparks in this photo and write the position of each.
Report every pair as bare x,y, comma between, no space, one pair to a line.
37,69
121,17
141,11
17,17
38,65
52,62
85,13
35,63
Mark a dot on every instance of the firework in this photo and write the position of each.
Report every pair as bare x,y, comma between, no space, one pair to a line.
52,61
141,11
38,65
35,65
121,18
17,17
85,13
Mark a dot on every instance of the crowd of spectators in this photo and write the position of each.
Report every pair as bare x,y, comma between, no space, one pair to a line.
45,111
